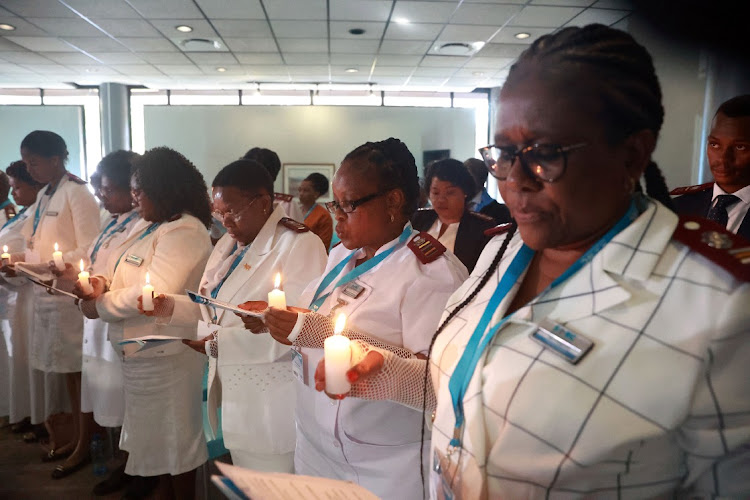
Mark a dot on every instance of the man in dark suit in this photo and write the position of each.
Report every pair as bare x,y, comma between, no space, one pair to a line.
727,199
482,202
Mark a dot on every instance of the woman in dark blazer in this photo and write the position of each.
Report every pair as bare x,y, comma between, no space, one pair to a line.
450,186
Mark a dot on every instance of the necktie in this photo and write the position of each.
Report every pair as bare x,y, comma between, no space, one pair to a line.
718,212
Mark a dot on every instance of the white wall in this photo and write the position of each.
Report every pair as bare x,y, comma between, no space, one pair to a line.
213,136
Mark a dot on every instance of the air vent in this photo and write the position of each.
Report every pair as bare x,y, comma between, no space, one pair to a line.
457,48
200,44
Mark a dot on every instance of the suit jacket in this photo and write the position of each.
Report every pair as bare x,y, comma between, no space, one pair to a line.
699,203
498,211
470,238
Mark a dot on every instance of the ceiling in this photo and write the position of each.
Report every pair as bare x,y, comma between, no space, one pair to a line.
56,43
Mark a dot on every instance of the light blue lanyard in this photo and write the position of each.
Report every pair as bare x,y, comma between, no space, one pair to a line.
148,231
14,218
235,263
358,271
306,215
466,366
37,214
7,202
105,236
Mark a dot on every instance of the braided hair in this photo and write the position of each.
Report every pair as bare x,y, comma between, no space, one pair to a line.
392,166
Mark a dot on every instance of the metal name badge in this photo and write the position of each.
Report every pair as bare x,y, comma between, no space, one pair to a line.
562,341
353,290
134,260
51,214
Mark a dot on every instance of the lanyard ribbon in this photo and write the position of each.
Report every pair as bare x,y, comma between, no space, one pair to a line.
466,366
309,212
235,263
150,229
13,219
38,215
7,203
358,271
107,234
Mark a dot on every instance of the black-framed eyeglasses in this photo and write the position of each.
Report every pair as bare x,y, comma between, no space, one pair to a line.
544,162
350,206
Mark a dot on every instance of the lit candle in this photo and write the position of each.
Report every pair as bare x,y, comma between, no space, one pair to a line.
83,280
148,295
57,257
5,256
276,297
338,356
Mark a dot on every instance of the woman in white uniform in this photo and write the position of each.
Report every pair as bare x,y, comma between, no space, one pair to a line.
65,213
602,351
250,376
162,428
392,283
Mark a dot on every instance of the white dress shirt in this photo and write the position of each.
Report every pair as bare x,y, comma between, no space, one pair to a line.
736,211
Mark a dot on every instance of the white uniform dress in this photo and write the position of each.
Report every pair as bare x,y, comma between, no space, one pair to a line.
374,443
101,377
660,398
252,377
67,215
163,424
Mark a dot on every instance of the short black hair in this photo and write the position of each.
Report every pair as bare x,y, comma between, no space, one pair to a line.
173,184
736,107
478,171
45,143
319,182
96,179
4,186
18,171
267,158
247,175
117,167
452,171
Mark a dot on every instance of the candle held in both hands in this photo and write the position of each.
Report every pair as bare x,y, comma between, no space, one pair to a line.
276,297
6,256
148,295
58,259
338,357
83,280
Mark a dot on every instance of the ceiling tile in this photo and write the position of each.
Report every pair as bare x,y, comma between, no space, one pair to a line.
137,69
8,46
302,70
208,58
444,61
550,17
201,28
300,29
305,58
127,27
88,71
424,12
622,24
398,60
148,44
340,29
231,69
497,1
13,69
473,73
402,71
508,34
97,44
564,3
425,82
404,47
501,50
45,44
167,9
489,62
303,45
65,26
164,57
251,44
361,59
270,70
51,69
360,10
464,82
259,58
117,57
242,28
25,8
434,72
467,33
23,27
413,31
294,9
389,80
232,9
354,46
24,58
613,4
496,15
607,17
109,9
68,58
180,69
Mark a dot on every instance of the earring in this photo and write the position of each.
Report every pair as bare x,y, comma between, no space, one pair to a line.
393,219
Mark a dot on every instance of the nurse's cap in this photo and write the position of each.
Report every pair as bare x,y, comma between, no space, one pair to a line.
426,248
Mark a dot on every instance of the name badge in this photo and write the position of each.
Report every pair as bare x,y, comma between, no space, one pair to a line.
570,346
298,366
353,290
134,260
51,214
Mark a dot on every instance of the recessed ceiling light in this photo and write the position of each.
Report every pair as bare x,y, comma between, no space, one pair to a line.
478,73
356,31
401,20
7,27
522,36
221,70
351,70
182,28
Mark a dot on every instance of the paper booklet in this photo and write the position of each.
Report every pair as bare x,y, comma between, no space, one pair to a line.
208,301
159,342
45,281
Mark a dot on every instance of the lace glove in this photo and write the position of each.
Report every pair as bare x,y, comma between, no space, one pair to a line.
212,346
88,308
163,308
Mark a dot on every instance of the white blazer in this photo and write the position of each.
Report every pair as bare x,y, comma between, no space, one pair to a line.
660,403
256,417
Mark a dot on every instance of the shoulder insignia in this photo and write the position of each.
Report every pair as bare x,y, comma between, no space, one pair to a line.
691,189
426,248
292,224
282,197
425,209
500,229
714,242
76,179
483,217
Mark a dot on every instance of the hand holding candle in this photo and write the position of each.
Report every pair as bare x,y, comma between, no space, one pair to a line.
276,297
148,295
338,359
58,258
83,281
5,256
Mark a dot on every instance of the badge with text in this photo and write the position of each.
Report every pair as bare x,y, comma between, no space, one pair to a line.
298,365
562,341
134,260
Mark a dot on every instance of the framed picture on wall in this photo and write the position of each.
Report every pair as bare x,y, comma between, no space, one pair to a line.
431,155
295,173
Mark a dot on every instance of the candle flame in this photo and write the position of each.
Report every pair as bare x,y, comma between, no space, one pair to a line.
340,324
81,265
5,248
57,249
277,281
148,281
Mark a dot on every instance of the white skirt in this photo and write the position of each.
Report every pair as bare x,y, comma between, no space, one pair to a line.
163,425
101,379
58,329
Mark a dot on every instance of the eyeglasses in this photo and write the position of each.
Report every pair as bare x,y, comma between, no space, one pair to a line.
235,216
544,162
350,206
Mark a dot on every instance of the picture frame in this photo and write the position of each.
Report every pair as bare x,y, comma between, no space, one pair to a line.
294,173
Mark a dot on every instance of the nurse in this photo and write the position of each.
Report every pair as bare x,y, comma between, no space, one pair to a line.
390,281
162,428
250,376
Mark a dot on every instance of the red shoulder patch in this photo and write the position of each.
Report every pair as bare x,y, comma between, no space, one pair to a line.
282,197
76,179
501,229
292,224
714,242
426,248
483,217
691,189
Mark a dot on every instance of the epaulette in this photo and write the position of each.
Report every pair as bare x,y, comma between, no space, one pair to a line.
691,189
424,209
76,179
483,217
282,197
426,248
500,229
292,224
714,242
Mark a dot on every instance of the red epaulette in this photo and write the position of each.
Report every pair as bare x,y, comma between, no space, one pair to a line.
501,229
715,243
283,197
292,224
483,217
76,179
426,248
691,189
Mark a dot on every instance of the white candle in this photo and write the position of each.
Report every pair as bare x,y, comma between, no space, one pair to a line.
57,257
5,256
276,297
83,280
148,295
338,356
